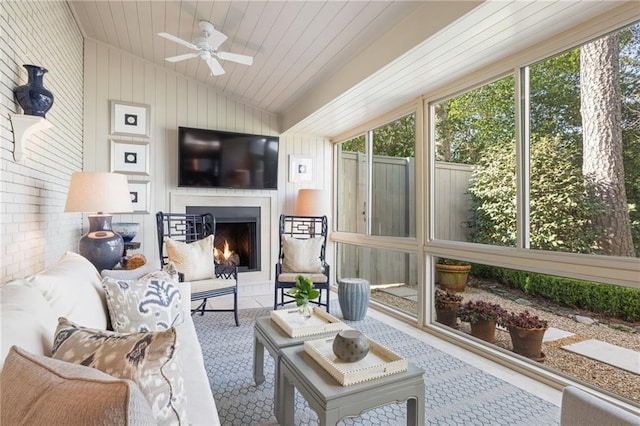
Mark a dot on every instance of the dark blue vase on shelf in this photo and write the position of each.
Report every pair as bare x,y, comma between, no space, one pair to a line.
33,97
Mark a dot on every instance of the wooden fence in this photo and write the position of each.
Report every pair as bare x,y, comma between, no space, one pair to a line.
393,213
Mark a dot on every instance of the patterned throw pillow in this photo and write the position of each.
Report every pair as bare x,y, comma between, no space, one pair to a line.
130,274
44,391
152,303
149,359
194,260
301,255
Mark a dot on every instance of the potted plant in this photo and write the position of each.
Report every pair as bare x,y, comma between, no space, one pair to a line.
526,332
483,317
447,304
303,292
452,274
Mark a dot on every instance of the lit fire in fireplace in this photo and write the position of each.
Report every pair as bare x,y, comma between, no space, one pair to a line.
225,257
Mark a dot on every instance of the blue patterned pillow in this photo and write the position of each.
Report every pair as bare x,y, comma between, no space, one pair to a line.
151,303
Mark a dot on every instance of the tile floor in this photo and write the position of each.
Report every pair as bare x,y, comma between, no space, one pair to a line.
260,299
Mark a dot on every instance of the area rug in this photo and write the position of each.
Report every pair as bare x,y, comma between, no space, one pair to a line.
456,393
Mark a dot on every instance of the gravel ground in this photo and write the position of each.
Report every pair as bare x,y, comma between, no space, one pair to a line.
618,333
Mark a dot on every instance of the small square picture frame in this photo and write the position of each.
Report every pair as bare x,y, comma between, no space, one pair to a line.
130,158
300,168
129,119
139,191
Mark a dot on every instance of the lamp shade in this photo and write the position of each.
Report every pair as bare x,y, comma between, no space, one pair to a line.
310,202
98,192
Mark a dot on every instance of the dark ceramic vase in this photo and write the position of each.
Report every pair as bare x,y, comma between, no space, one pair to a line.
350,345
33,97
101,245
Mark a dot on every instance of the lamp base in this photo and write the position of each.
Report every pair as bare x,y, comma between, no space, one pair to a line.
101,246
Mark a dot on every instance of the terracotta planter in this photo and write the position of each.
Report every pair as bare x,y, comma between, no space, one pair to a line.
528,342
453,277
449,314
484,329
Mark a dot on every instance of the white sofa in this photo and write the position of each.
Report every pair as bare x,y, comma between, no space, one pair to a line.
30,308
580,408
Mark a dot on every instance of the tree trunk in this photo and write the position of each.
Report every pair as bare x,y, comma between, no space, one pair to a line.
602,163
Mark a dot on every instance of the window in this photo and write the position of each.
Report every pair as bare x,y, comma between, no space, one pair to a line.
351,185
560,175
585,154
392,274
474,153
376,181
579,161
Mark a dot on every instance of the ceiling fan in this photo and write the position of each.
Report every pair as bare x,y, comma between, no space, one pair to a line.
207,49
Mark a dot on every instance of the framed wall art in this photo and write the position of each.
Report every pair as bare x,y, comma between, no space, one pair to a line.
131,158
130,119
300,169
140,195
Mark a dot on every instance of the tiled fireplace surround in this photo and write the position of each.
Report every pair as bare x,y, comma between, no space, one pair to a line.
254,282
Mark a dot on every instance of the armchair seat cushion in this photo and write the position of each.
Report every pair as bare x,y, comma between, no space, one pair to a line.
210,284
290,277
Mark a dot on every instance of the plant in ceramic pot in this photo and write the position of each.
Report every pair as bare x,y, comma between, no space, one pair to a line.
483,317
527,331
447,304
452,274
303,292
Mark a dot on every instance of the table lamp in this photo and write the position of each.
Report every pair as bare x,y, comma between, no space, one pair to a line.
99,193
310,202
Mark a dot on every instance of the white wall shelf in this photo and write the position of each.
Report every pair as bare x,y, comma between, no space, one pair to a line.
23,127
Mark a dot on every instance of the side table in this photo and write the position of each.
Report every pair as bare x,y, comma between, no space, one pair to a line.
333,402
353,296
131,245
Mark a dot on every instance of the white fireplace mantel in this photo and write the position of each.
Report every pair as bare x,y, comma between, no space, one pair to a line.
268,225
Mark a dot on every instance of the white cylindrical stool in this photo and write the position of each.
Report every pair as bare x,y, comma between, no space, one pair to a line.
353,296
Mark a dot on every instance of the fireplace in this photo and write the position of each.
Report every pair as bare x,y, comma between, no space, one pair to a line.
239,227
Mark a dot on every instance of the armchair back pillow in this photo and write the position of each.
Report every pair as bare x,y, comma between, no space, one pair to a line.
194,260
301,255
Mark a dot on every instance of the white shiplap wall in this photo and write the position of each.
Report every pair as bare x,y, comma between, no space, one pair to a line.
175,100
34,231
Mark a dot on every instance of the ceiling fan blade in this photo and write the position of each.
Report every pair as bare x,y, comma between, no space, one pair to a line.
182,57
178,40
234,57
214,66
216,38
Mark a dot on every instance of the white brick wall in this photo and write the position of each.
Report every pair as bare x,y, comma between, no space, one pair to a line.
34,231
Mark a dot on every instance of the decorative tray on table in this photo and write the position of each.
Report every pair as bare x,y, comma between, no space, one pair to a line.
295,325
379,362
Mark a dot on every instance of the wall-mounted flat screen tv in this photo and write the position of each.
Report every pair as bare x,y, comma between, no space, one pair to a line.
216,159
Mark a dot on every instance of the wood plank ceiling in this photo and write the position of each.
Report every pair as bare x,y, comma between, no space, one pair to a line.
326,66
